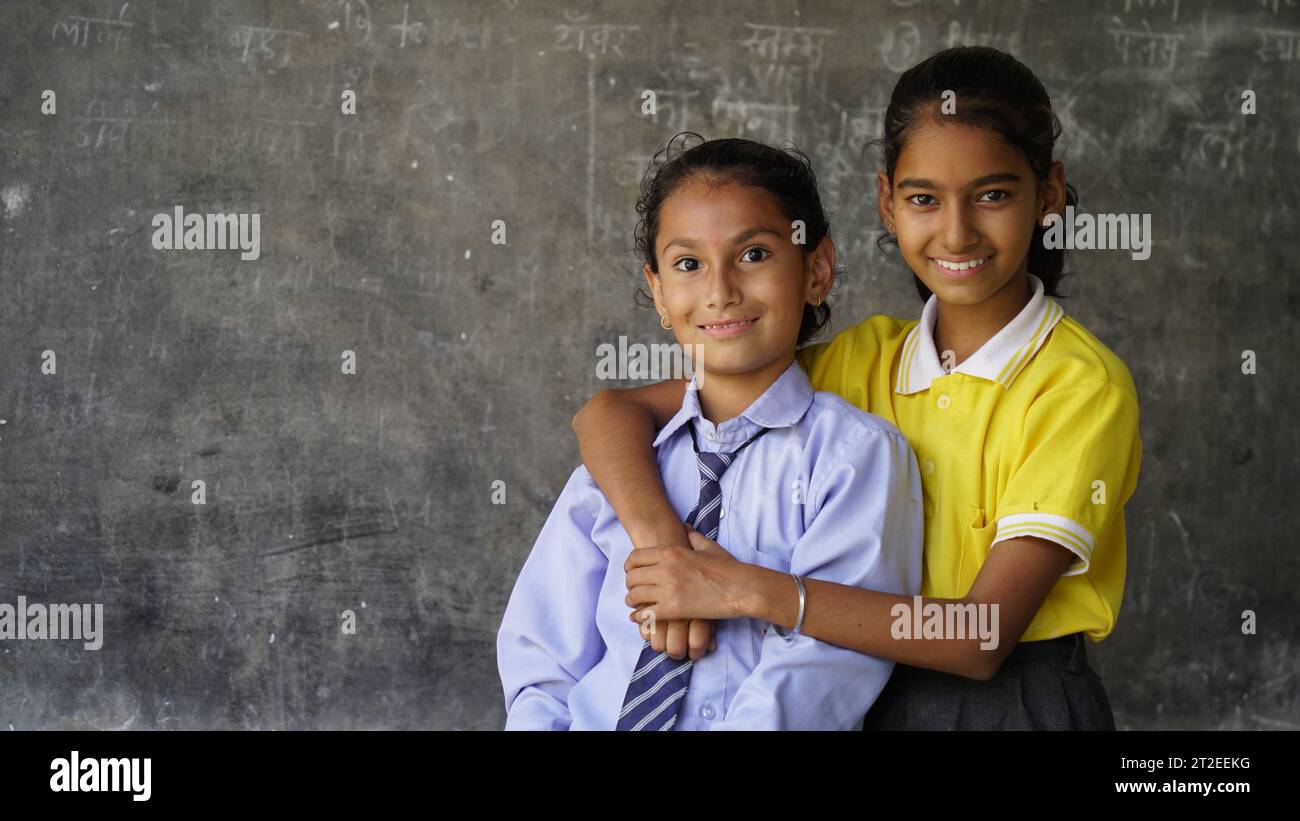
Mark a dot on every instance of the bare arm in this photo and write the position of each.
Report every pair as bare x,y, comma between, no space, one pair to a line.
1017,577
615,430
707,582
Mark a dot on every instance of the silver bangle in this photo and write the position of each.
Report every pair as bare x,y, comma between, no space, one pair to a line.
803,599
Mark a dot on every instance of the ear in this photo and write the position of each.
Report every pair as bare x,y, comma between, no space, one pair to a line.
1051,193
821,270
884,199
652,280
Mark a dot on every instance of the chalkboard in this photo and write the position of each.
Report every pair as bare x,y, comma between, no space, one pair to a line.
377,406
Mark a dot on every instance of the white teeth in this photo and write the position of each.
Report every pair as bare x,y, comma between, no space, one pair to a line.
960,266
730,324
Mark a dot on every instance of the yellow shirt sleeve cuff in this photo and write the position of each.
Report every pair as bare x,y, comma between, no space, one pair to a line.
1068,533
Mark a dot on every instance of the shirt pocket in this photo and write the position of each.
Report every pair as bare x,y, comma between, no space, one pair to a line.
976,541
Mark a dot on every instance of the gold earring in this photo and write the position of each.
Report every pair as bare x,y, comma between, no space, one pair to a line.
891,228
664,323
818,303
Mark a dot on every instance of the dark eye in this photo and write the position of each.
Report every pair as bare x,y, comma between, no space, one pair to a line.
997,195
923,200
692,260
763,252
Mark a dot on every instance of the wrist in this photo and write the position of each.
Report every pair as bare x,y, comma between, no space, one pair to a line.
766,595
656,527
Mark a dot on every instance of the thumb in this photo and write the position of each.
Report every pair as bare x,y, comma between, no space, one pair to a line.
701,542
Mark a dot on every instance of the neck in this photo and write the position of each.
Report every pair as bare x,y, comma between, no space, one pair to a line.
724,396
963,329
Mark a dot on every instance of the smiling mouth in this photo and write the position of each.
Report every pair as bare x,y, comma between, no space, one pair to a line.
961,268
728,327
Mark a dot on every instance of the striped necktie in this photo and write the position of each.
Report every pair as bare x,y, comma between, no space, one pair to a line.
654,696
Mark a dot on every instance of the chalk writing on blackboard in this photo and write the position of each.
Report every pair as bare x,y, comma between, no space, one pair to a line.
672,108
76,30
355,24
986,35
780,44
100,130
1277,44
1144,47
407,29
266,48
766,121
901,48
576,34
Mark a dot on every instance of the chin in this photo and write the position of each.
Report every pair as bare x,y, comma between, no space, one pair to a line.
960,296
727,365
962,293
731,362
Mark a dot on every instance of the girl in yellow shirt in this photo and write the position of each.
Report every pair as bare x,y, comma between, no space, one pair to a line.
1024,424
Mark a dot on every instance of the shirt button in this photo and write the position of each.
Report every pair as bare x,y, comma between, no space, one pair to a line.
929,467
706,712
944,401
711,436
722,513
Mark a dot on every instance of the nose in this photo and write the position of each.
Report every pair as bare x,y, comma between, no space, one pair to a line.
721,290
959,231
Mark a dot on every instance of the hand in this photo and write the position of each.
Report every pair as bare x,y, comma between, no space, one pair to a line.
676,583
680,637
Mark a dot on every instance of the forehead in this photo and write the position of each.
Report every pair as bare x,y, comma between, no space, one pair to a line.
702,206
951,154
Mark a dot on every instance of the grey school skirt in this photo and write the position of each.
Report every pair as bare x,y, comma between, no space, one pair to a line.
1043,685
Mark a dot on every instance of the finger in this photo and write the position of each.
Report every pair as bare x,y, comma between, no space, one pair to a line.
641,596
677,639
642,557
659,636
651,628
703,543
699,637
641,576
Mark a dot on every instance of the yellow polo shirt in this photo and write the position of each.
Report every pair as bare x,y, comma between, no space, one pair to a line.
1035,434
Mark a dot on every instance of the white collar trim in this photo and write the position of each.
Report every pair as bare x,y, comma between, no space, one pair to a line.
998,360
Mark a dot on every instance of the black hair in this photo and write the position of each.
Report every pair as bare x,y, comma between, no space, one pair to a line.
786,174
994,91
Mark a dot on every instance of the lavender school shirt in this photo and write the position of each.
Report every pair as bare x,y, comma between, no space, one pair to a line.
830,493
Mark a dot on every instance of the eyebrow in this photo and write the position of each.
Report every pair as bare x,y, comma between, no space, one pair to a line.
1003,176
749,233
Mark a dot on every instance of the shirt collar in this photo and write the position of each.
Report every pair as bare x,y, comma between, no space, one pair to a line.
998,360
783,404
